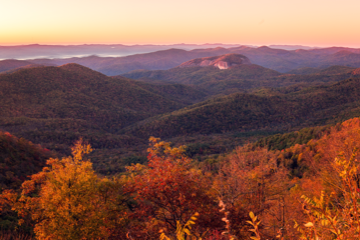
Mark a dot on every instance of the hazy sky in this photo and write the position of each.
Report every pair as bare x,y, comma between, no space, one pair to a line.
257,22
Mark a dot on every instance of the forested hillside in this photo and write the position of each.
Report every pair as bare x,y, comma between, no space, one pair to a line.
55,106
246,150
246,112
243,77
250,192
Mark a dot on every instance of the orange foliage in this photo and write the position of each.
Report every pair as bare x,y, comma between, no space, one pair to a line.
252,180
168,191
67,200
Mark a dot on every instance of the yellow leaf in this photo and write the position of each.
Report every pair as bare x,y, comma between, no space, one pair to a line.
309,224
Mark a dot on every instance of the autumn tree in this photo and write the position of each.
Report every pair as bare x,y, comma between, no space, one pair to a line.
168,192
252,180
67,200
334,215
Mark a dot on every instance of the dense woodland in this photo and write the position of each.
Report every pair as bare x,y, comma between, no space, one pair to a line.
186,153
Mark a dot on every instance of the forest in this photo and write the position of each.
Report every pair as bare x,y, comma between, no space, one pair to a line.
306,191
187,153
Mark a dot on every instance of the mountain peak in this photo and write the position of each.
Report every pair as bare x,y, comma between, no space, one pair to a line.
264,47
74,67
222,62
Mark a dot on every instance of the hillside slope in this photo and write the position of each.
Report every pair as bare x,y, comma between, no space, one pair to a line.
241,77
19,159
247,112
55,106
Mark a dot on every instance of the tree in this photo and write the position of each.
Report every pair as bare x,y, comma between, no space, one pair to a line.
67,200
333,215
168,191
252,180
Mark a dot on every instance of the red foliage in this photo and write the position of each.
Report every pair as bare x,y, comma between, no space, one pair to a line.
168,191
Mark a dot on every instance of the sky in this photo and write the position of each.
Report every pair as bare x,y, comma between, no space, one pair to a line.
321,23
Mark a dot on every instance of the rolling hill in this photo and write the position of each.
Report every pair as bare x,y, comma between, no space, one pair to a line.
225,61
240,77
180,93
248,112
229,71
55,106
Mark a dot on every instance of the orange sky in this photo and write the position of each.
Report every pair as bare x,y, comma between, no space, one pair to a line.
256,22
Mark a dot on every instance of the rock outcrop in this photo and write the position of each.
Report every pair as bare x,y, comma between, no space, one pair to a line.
222,62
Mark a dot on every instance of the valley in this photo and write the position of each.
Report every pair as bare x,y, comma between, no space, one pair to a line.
196,102
258,120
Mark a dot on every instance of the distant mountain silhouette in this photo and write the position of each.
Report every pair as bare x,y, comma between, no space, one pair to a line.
277,59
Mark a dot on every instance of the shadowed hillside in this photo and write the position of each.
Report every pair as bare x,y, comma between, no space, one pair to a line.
181,93
246,112
56,106
78,92
19,158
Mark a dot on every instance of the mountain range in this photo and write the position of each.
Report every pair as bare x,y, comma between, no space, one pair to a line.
208,99
241,117
35,51
276,59
240,76
258,111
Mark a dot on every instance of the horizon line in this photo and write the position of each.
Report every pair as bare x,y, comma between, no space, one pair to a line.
155,44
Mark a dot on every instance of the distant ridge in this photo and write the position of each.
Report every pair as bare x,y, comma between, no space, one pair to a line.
291,47
112,63
36,51
10,64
